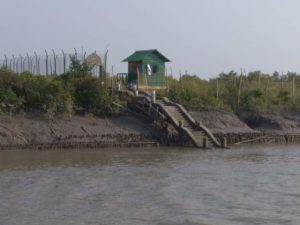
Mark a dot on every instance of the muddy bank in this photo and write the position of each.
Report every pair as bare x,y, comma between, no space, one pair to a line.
31,129
285,122
222,122
250,128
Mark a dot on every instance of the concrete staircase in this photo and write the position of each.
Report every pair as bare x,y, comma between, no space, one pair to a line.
199,135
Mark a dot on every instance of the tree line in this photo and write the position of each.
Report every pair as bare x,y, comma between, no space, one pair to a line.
255,92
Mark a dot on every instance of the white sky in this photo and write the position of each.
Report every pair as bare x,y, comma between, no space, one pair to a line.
204,37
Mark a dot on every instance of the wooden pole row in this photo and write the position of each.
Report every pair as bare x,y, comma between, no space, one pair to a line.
78,145
257,138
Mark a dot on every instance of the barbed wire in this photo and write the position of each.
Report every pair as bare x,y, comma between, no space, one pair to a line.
49,63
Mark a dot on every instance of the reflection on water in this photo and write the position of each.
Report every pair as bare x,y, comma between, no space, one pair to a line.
249,185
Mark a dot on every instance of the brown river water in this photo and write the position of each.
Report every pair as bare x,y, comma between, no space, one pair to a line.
246,185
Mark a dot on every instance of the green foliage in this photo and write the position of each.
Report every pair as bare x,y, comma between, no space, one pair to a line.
58,100
9,100
256,91
91,96
284,97
75,91
78,69
192,92
253,100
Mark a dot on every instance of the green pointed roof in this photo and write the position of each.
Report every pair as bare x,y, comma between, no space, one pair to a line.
140,55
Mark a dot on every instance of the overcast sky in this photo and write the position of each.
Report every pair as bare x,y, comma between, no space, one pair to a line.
203,37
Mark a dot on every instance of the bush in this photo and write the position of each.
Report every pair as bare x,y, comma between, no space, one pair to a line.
9,99
76,90
90,96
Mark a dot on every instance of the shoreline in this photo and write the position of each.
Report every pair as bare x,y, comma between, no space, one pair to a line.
233,140
126,130
79,145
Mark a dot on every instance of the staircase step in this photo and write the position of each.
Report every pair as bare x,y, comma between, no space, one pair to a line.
179,115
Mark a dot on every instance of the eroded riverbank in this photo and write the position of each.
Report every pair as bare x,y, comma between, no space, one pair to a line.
129,130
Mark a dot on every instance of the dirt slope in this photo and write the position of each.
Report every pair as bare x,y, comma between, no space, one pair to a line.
285,122
222,122
32,129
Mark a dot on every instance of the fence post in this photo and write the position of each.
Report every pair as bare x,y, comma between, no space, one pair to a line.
293,89
54,58
105,64
10,64
46,62
75,53
64,60
5,60
17,65
36,64
240,87
28,62
218,89
14,63
21,64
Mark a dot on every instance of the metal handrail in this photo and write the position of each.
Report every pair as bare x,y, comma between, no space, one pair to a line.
193,121
177,126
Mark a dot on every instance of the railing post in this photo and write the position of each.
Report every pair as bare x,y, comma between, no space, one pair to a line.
224,142
204,142
153,96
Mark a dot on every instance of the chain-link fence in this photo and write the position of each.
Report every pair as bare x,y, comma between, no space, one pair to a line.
48,63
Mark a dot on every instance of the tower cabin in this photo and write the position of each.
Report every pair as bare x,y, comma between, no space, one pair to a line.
146,70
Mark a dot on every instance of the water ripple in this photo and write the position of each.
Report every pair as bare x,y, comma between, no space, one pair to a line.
168,186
